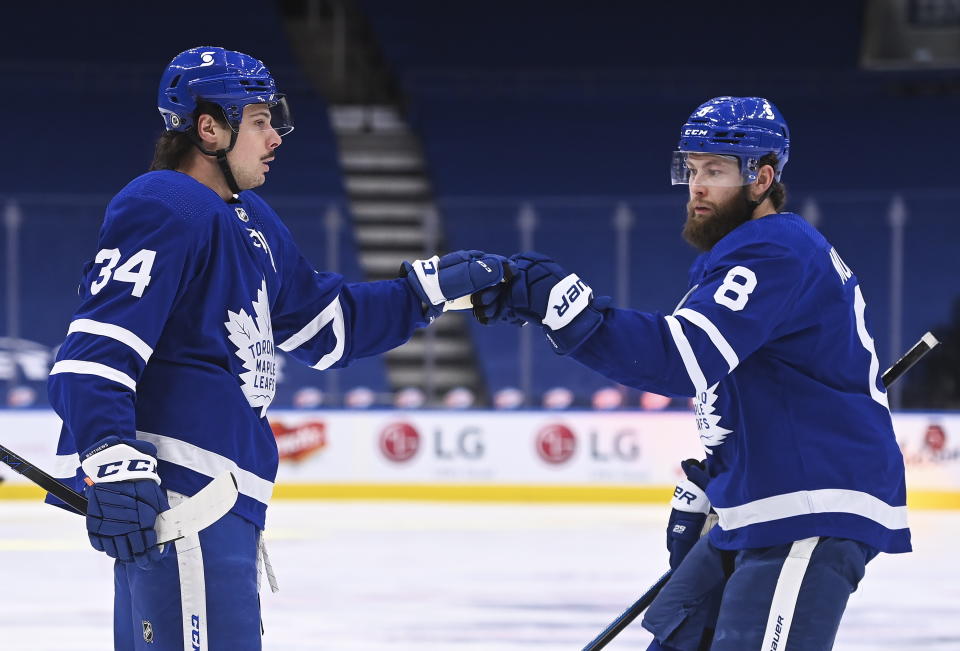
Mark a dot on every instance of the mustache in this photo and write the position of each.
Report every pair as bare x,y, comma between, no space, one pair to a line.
266,158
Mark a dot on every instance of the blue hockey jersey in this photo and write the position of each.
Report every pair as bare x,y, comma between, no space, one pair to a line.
174,340
772,342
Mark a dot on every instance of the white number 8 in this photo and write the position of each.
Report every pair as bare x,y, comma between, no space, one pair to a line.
739,282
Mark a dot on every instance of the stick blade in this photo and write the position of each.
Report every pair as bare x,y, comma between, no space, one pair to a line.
192,515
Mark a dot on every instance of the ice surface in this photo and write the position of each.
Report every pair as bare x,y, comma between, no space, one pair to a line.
363,576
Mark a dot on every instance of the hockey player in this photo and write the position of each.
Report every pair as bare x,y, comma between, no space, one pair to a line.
772,342
169,364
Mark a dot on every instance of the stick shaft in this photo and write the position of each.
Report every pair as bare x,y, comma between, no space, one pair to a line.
891,375
70,497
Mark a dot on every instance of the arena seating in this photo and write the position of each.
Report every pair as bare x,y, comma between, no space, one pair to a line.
85,121
518,104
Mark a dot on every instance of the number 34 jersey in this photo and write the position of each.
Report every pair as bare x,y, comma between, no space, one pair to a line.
175,339
772,342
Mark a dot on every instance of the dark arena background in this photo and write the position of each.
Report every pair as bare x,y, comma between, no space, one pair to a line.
472,489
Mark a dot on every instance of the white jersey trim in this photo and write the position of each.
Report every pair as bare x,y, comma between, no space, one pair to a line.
786,593
332,312
824,500
686,354
65,466
208,463
334,355
122,335
93,368
713,332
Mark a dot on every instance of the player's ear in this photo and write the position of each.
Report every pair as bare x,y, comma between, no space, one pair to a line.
207,130
764,180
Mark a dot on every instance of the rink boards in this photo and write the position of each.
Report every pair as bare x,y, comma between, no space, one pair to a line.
570,456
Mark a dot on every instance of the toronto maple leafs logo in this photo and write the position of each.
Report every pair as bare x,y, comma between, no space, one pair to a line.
708,421
253,337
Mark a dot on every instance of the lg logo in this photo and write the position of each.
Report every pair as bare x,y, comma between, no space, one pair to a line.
468,444
622,446
399,442
556,444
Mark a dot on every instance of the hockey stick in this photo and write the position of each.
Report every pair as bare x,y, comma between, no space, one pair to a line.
892,374
190,516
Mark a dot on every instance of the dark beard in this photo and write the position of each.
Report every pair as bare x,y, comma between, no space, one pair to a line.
704,232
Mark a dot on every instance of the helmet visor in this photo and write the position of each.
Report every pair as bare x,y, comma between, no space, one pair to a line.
717,170
269,116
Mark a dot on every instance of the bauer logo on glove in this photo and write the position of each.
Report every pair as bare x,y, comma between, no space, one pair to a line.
568,298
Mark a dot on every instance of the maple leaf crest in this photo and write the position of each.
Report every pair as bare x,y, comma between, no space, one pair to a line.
252,334
708,421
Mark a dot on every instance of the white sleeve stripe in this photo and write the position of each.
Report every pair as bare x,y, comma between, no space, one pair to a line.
330,313
122,335
716,337
686,354
334,355
93,368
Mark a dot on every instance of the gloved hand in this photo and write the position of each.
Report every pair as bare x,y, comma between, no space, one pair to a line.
124,498
543,292
690,510
456,274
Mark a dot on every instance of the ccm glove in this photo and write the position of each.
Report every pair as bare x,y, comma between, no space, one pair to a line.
543,292
124,499
690,510
456,274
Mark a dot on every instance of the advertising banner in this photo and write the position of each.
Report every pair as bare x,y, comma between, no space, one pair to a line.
618,455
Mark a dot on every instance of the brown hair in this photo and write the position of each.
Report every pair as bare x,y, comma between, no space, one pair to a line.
777,192
172,146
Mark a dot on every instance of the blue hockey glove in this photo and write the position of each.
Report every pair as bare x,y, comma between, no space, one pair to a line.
690,510
543,292
456,274
124,499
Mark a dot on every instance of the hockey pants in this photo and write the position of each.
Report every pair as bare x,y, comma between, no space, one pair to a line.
784,598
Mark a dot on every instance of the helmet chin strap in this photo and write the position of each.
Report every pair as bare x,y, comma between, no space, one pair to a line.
221,155
753,203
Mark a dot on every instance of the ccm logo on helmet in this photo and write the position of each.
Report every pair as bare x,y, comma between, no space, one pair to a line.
695,132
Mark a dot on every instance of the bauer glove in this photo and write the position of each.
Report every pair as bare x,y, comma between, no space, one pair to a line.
541,291
691,507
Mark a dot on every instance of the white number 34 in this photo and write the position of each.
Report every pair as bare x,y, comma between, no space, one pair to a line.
135,270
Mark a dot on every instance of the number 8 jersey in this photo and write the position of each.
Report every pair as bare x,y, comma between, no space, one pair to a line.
174,340
772,342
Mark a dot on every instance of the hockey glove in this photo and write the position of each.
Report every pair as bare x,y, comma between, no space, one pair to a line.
456,274
543,292
690,510
124,499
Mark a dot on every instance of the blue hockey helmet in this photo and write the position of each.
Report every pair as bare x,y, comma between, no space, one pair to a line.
744,128
229,79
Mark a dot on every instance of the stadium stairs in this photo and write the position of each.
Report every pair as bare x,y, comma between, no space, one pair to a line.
389,190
